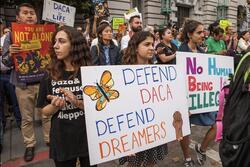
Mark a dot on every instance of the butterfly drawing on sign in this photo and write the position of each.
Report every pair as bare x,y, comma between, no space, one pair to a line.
102,92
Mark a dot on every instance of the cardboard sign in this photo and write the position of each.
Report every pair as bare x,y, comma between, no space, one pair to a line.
34,40
117,21
132,108
58,13
132,12
205,74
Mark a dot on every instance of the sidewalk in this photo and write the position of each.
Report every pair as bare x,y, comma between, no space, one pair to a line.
13,150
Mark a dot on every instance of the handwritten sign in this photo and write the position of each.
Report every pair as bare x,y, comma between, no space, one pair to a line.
58,13
34,40
132,12
133,108
205,76
117,21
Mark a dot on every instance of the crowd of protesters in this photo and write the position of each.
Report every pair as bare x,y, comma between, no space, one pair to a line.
72,48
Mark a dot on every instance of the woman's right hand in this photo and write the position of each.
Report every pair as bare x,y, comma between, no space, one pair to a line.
56,101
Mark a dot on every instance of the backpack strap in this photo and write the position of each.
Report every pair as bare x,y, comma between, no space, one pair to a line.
98,49
237,69
246,74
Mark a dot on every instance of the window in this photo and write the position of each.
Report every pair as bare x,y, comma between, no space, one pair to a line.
138,4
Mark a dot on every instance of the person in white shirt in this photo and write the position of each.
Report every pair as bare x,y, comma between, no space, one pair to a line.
243,45
135,25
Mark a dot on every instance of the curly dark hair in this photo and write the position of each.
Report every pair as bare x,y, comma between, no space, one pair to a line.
79,51
242,34
189,26
162,32
218,31
130,56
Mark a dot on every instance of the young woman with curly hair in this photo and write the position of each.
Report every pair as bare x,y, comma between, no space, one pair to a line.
60,95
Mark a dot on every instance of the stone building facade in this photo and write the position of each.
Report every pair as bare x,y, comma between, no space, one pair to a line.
202,10
237,11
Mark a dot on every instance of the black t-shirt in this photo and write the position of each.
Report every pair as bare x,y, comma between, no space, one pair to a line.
68,138
168,51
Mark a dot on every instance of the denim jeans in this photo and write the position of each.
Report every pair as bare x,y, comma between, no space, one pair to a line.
8,90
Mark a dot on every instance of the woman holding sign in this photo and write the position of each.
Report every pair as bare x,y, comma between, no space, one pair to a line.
60,95
193,36
140,50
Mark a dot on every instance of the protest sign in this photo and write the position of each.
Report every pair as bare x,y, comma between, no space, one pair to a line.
34,40
132,12
122,29
116,22
224,24
58,13
205,74
101,8
132,108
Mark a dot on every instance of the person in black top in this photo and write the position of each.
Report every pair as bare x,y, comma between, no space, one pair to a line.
166,50
60,95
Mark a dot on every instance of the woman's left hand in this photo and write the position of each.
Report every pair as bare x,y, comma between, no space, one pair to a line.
69,96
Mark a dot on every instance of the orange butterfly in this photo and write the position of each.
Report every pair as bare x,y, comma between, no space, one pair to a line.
102,92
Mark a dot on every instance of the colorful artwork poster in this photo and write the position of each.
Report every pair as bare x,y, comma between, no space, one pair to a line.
34,41
206,74
101,8
132,108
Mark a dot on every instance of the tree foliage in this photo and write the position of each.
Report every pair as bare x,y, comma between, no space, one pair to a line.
84,7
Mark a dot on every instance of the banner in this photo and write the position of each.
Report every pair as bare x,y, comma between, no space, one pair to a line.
205,74
34,40
132,108
58,13
101,8
116,22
